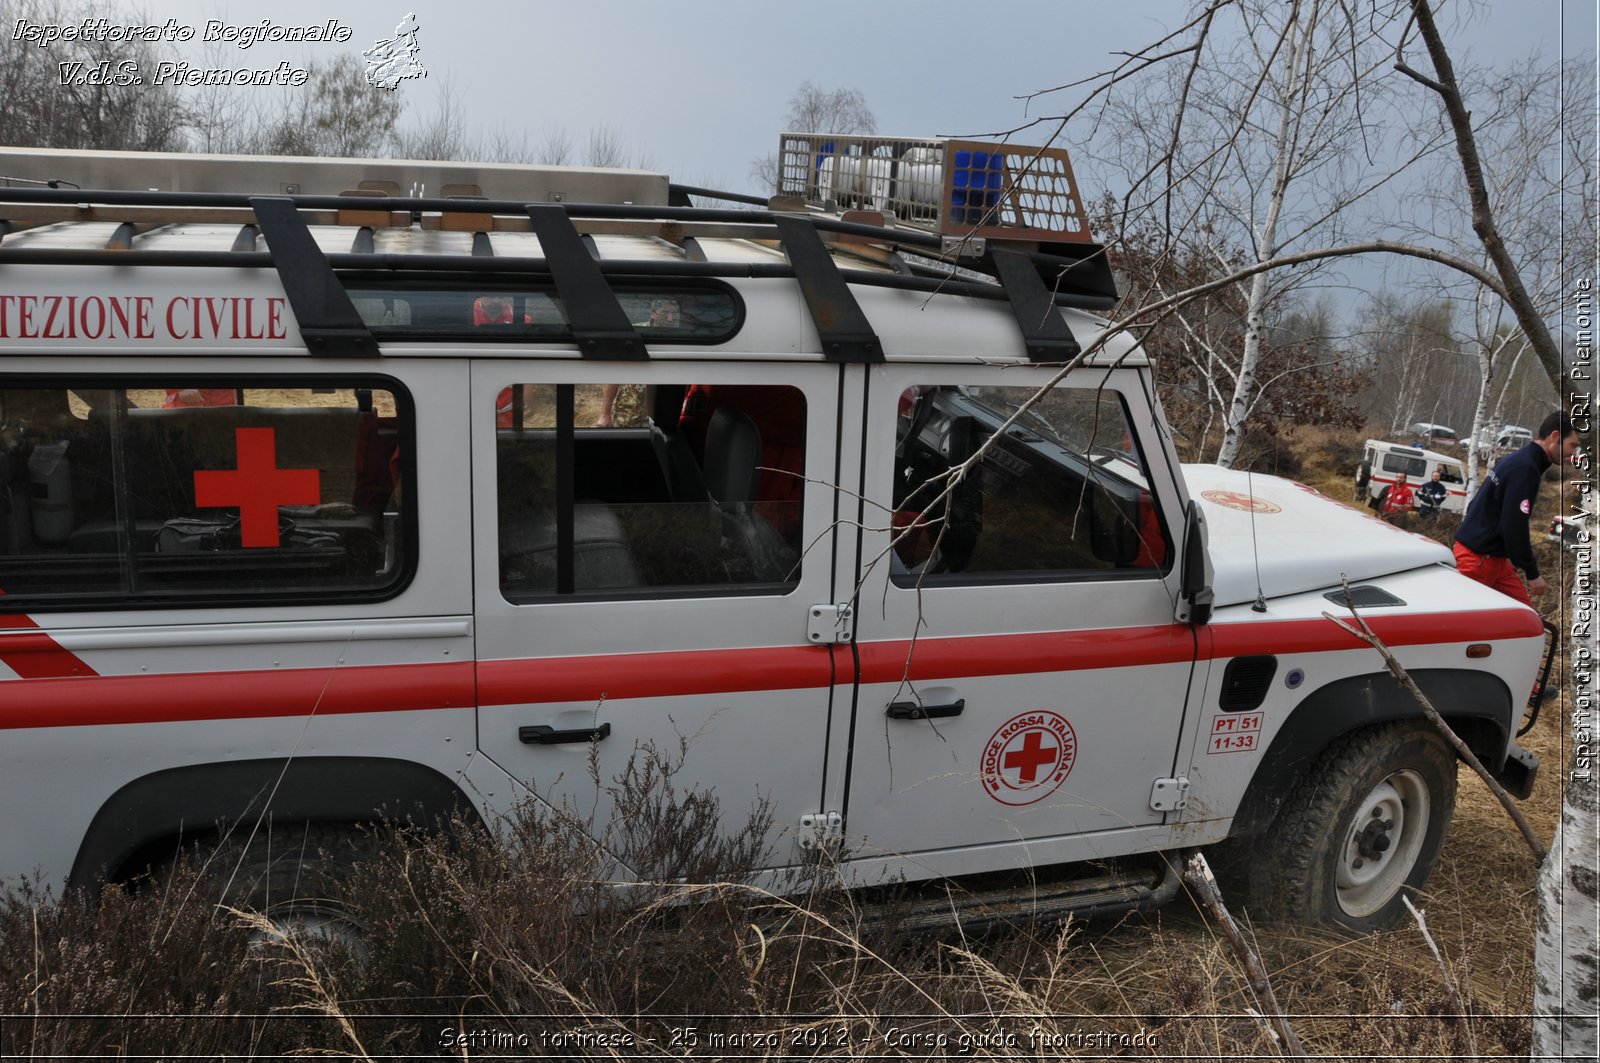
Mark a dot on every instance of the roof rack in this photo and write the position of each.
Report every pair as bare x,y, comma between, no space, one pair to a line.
967,190
1032,273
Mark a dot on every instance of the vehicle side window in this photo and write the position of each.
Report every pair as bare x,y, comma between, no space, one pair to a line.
1414,467
1450,474
687,489
201,491
1061,493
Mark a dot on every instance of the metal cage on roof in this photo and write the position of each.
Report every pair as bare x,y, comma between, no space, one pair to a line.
959,188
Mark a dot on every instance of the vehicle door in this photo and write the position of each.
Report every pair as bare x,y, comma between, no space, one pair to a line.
649,536
1022,682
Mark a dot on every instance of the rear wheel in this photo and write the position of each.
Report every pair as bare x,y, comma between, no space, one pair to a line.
1363,478
1361,831
292,873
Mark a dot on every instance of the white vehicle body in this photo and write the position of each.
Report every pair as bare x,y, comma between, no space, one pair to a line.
1383,462
1427,432
461,608
1492,440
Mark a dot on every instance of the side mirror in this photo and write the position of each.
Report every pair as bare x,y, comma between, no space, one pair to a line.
1194,588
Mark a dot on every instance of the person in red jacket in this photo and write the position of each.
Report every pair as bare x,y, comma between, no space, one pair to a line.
200,397
495,309
1398,497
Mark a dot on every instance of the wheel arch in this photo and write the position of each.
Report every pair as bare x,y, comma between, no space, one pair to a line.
1477,705
165,806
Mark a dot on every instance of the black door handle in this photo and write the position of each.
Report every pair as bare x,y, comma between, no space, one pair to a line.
912,710
543,734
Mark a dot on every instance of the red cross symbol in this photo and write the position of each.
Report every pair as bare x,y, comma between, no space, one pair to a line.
1031,757
258,487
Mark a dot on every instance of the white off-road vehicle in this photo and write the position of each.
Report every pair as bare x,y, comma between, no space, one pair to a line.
339,490
1382,464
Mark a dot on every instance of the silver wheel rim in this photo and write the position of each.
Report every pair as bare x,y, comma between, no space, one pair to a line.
314,922
1383,844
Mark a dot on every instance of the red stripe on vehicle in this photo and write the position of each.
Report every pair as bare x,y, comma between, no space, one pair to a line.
1419,629
87,700
84,702
638,675
1045,651
36,655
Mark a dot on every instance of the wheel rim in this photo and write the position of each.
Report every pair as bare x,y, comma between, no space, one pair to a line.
313,921
1383,843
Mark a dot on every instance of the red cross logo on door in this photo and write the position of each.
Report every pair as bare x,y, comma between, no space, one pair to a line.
257,486
1028,757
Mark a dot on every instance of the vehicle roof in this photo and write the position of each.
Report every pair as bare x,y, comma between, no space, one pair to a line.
1418,452
871,285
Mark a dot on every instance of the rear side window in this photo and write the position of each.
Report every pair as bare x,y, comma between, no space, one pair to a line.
201,491
515,312
670,490
1411,466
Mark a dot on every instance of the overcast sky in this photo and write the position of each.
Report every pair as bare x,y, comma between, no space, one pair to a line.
699,88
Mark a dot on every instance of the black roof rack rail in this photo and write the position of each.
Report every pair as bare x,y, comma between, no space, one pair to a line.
598,323
1032,281
328,321
1045,333
845,333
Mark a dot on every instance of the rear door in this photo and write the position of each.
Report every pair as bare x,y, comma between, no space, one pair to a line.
642,588
1022,682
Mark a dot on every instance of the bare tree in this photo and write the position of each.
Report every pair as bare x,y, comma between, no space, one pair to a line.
1527,178
555,147
814,109
1261,144
442,134
337,112
84,93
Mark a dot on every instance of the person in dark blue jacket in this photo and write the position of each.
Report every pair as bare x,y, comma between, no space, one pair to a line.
1431,495
1493,542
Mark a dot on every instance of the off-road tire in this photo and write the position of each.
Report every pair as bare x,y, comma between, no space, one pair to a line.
1363,478
292,873
1350,842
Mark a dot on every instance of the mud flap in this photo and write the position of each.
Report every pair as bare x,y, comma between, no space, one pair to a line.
1518,773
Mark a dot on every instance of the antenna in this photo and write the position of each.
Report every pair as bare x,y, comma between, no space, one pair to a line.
1260,604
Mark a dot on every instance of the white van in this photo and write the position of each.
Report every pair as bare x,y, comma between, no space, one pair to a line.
1383,462
307,518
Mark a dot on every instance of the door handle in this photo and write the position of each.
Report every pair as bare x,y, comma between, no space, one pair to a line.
912,710
543,734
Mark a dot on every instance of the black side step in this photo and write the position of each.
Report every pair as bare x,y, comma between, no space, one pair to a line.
1095,892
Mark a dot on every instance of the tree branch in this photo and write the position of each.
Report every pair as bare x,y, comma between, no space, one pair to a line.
1483,222
1201,880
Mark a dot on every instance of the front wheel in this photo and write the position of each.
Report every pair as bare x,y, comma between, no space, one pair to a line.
1362,830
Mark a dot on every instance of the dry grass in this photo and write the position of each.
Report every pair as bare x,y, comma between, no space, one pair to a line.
479,947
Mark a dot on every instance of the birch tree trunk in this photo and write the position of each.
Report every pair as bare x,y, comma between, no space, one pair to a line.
1566,1000
1287,145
